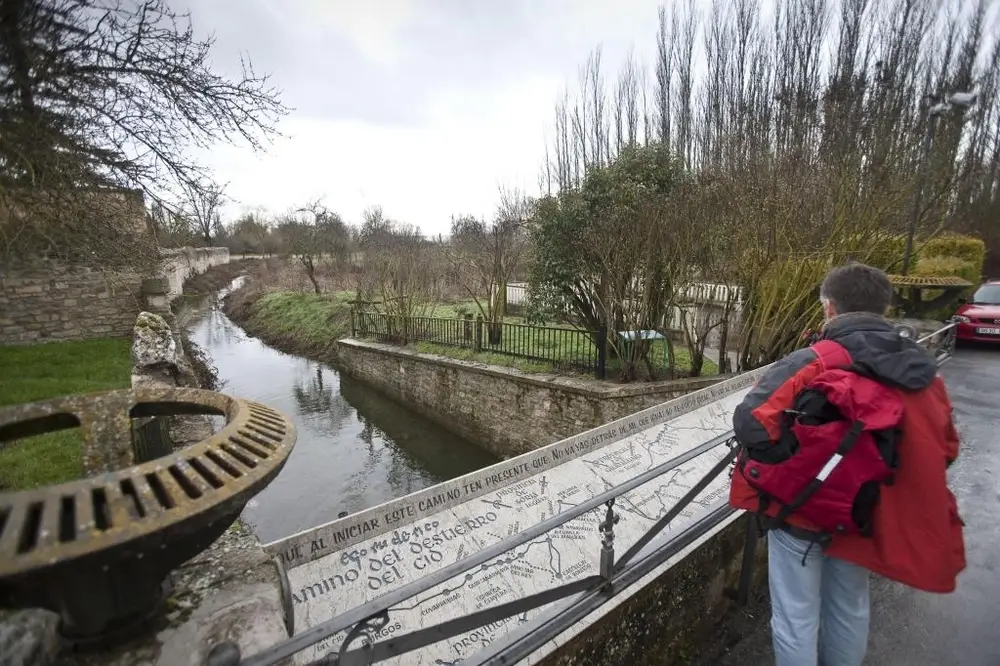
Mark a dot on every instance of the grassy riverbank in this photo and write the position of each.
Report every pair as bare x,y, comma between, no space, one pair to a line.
309,324
294,322
39,372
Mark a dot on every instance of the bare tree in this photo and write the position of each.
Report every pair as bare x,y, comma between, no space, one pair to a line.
485,256
101,96
684,40
260,230
400,273
626,109
203,207
312,233
664,76
803,134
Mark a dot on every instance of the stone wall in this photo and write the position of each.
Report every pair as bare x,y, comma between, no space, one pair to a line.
48,300
181,263
676,615
504,410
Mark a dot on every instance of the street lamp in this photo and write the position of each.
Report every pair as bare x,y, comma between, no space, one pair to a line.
961,100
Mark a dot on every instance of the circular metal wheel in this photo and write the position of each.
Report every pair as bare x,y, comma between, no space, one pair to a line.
98,550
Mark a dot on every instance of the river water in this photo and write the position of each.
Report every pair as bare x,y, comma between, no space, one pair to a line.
355,448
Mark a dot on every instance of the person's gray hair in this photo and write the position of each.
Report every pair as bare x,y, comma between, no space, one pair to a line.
856,287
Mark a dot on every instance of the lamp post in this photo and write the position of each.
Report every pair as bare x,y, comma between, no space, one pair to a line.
961,100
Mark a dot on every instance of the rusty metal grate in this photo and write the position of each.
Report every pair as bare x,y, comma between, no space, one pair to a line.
149,517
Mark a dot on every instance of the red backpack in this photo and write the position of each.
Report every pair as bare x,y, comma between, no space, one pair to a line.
838,445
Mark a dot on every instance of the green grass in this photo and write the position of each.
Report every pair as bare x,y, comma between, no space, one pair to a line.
451,311
658,354
709,367
554,344
40,372
313,320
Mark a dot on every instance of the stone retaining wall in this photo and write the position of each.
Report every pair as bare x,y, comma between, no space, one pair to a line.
180,264
48,300
504,410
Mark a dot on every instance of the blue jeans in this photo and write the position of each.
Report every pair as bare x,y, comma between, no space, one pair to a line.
819,611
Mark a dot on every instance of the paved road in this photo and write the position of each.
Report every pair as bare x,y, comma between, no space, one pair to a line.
912,628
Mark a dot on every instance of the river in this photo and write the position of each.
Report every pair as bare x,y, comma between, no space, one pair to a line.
355,448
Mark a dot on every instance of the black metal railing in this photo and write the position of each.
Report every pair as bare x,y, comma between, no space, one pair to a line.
942,341
565,349
363,622
588,594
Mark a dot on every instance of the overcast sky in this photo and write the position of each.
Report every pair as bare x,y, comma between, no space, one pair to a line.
424,107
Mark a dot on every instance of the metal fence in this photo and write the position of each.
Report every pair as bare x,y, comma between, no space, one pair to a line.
563,348
617,571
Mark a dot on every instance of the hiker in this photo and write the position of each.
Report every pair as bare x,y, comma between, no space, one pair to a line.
843,451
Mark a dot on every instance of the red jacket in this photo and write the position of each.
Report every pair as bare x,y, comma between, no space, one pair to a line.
917,530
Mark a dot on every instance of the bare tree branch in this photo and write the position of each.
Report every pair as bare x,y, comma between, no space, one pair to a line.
111,95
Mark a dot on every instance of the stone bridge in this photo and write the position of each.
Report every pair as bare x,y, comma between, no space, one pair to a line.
540,500
613,546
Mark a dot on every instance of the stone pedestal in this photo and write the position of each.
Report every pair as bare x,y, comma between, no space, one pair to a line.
231,592
158,360
156,291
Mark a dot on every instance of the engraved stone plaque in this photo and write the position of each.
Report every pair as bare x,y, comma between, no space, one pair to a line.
339,566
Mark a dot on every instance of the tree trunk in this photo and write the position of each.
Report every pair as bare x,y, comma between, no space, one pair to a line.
311,273
724,365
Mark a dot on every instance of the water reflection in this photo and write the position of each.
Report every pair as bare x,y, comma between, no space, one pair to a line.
317,397
355,449
419,440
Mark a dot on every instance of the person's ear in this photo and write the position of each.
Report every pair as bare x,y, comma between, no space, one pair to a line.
828,310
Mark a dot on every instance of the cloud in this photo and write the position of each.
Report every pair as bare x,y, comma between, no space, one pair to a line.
472,144
377,33
425,107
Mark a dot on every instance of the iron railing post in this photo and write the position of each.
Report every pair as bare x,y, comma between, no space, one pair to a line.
602,353
608,540
467,329
741,595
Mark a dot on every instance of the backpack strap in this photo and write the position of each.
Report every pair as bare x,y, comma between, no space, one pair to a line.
846,444
832,354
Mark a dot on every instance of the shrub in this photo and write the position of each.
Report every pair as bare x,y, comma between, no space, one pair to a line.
886,252
783,303
967,248
942,266
960,256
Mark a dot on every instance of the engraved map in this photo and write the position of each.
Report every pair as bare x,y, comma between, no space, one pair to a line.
426,540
